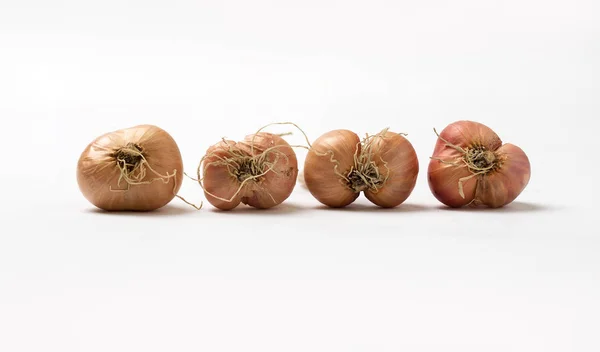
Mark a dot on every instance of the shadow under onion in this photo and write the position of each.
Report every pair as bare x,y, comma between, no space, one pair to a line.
514,207
371,208
281,209
165,211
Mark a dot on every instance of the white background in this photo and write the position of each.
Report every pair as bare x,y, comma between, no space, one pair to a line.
299,277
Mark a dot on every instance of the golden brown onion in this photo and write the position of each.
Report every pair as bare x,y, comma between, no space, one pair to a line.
260,171
339,166
137,168
471,166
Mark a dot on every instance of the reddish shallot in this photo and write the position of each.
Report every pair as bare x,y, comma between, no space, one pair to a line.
259,171
471,166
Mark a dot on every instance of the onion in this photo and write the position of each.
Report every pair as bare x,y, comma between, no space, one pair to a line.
137,168
339,166
260,171
471,166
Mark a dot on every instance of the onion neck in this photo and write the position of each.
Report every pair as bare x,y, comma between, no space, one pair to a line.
365,175
247,168
481,160
365,178
129,157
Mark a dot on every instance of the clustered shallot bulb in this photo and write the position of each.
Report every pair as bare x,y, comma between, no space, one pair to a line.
260,171
471,166
339,166
137,168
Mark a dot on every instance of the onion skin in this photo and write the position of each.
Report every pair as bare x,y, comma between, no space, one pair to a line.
97,171
218,181
271,189
393,155
403,167
495,188
503,186
319,174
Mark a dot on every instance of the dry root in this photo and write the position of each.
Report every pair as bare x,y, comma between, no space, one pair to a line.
477,159
134,167
365,173
286,133
247,168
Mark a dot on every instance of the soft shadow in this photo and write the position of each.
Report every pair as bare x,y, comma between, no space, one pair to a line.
283,208
514,207
165,211
367,208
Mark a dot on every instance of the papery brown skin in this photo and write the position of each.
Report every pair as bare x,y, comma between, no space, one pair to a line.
391,152
97,170
403,166
495,189
217,180
271,189
503,186
319,169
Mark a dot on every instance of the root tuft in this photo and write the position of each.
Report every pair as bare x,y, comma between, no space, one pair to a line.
134,167
365,174
243,167
478,159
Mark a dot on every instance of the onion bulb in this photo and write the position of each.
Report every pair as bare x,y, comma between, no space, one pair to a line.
260,171
339,166
137,169
471,166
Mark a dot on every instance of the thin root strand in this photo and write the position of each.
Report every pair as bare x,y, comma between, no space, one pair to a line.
133,168
477,159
